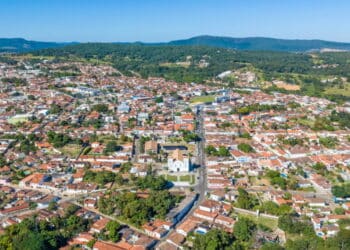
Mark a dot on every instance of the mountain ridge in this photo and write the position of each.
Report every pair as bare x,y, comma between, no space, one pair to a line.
263,43
18,45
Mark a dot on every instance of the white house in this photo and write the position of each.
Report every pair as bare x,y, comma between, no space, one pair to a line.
178,162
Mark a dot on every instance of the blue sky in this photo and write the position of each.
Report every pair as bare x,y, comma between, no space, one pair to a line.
165,20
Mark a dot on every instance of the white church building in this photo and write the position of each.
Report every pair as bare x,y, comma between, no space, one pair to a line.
177,162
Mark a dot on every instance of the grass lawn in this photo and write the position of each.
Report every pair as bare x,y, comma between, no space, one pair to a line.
30,56
270,223
186,178
338,91
306,122
15,120
205,98
97,61
106,137
71,150
193,179
259,182
171,177
174,65
307,189
293,237
191,147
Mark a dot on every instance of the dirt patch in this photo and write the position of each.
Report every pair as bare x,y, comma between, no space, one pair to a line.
287,86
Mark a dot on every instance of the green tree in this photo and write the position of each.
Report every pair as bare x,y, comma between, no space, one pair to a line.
101,108
340,241
57,139
339,210
245,200
213,240
55,109
190,136
294,225
159,99
33,205
210,150
29,241
271,246
52,206
111,147
2,161
276,179
246,148
341,191
223,152
329,142
26,146
91,243
244,229
113,228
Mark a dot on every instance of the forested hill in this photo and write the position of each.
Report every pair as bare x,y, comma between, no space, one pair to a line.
181,63
203,64
262,43
21,45
250,43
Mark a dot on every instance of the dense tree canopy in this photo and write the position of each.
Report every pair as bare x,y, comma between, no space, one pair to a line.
139,210
221,151
102,108
246,148
341,191
245,200
214,240
244,229
32,234
162,61
58,139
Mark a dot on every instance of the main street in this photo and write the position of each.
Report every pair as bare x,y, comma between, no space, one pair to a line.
201,187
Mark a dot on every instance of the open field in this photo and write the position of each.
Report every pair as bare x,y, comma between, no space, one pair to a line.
306,122
31,56
187,178
205,98
71,149
171,177
14,120
259,182
182,178
268,222
338,91
177,64
286,86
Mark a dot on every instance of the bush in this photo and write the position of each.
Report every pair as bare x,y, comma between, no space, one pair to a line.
246,148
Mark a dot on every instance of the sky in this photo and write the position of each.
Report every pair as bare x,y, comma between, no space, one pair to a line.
166,20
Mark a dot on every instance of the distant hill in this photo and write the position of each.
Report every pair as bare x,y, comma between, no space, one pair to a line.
249,43
262,43
23,45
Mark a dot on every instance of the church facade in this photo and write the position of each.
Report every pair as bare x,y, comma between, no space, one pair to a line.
178,162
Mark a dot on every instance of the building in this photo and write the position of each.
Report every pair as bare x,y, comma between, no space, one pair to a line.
123,108
99,225
178,162
151,146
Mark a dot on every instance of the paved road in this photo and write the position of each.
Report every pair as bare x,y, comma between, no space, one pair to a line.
201,187
136,148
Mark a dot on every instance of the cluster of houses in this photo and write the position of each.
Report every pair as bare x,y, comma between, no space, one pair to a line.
147,119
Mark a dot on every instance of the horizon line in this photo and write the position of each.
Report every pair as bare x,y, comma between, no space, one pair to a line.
168,41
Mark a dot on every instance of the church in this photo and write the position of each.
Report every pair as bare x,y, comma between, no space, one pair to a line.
178,162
